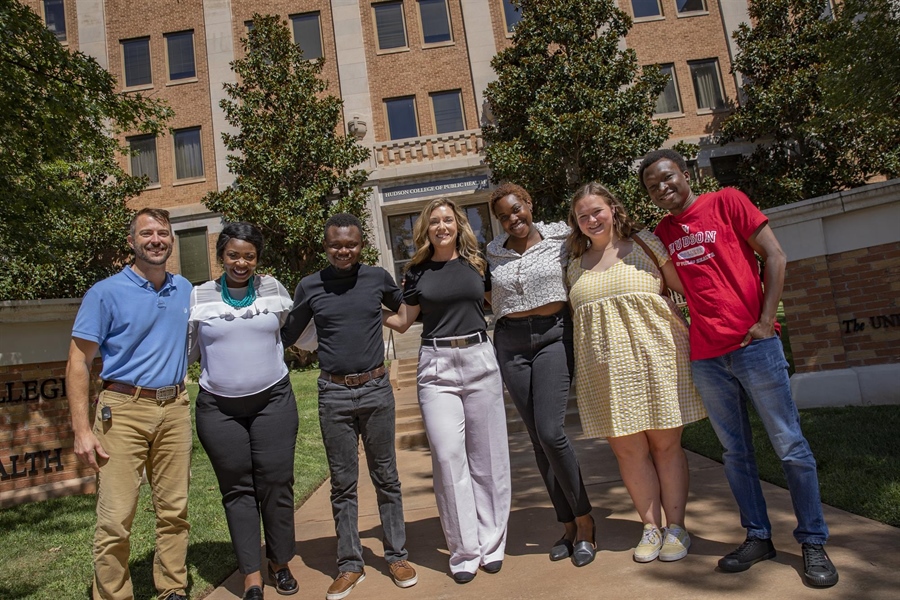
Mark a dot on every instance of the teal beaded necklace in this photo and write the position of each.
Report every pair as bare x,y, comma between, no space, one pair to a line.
244,302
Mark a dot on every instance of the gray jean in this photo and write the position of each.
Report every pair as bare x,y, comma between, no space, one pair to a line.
345,415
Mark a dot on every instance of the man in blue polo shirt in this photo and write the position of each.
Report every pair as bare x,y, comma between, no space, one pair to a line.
137,321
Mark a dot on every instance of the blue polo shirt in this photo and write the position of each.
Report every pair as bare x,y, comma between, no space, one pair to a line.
142,333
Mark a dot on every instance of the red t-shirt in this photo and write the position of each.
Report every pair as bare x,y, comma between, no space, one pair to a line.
708,246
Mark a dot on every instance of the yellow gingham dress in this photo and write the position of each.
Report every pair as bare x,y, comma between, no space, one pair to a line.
632,358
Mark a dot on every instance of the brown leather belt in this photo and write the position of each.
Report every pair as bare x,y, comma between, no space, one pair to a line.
354,379
162,395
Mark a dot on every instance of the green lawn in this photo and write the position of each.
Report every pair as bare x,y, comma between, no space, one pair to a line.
856,450
46,546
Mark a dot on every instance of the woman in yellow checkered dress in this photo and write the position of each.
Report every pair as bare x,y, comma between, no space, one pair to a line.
632,367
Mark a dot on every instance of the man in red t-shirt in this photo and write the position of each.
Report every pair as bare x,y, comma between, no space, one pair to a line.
736,353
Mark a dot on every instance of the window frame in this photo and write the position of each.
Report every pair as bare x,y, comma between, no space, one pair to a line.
139,138
674,81
139,86
660,15
188,78
462,111
718,70
64,40
506,26
692,13
421,22
196,178
318,15
378,48
387,119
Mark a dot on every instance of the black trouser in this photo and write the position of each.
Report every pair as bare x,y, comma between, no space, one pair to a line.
536,360
250,442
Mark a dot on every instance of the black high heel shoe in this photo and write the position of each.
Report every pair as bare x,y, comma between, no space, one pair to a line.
283,581
585,551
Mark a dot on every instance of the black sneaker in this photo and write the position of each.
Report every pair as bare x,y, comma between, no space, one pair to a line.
747,554
817,567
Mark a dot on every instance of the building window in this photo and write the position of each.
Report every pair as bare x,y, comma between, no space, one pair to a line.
707,84
511,15
401,117
55,18
448,113
308,35
646,8
180,55
143,161
685,6
193,254
188,154
668,101
136,58
403,246
390,25
726,169
435,21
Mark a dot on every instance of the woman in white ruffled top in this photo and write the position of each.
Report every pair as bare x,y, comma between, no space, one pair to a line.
246,411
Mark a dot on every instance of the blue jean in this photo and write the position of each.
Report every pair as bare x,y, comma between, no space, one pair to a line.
758,372
347,414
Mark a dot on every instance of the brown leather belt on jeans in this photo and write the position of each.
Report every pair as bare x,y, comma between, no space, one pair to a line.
354,379
161,395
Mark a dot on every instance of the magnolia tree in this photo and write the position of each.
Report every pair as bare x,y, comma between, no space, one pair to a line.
292,168
571,105
808,79
63,193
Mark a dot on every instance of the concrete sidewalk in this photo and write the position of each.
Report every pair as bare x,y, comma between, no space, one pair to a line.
867,553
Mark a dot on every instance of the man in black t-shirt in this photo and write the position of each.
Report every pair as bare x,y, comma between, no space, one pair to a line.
355,396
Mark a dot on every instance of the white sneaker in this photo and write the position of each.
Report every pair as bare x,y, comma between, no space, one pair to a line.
651,542
676,544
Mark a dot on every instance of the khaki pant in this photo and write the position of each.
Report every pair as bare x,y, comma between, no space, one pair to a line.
142,434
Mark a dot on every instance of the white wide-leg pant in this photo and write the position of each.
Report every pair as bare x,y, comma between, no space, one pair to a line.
461,398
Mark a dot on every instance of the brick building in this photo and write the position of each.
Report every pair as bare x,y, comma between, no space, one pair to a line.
411,74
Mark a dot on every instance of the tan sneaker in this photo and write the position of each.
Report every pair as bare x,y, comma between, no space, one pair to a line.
651,542
343,584
676,544
403,573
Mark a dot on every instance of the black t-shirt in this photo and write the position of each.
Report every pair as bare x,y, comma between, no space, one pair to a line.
346,308
451,297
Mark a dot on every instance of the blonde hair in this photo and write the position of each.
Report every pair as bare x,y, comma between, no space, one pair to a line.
577,243
466,243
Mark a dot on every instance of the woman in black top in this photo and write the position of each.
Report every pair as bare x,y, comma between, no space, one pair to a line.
459,387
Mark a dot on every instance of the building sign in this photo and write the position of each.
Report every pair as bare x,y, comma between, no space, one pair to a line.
875,322
32,390
436,188
30,463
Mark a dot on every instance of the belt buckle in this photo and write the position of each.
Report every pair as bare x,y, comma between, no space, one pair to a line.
352,380
164,394
458,343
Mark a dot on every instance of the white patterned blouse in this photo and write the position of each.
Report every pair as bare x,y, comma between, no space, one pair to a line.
526,281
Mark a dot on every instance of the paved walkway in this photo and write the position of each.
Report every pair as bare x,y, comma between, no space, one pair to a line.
867,553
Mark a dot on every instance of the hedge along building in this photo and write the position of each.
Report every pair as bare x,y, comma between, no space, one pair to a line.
411,74
842,295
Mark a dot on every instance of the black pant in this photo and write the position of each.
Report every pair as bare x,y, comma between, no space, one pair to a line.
536,360
250,443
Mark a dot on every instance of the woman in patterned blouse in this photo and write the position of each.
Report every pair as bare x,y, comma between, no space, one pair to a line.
632,365
533,337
